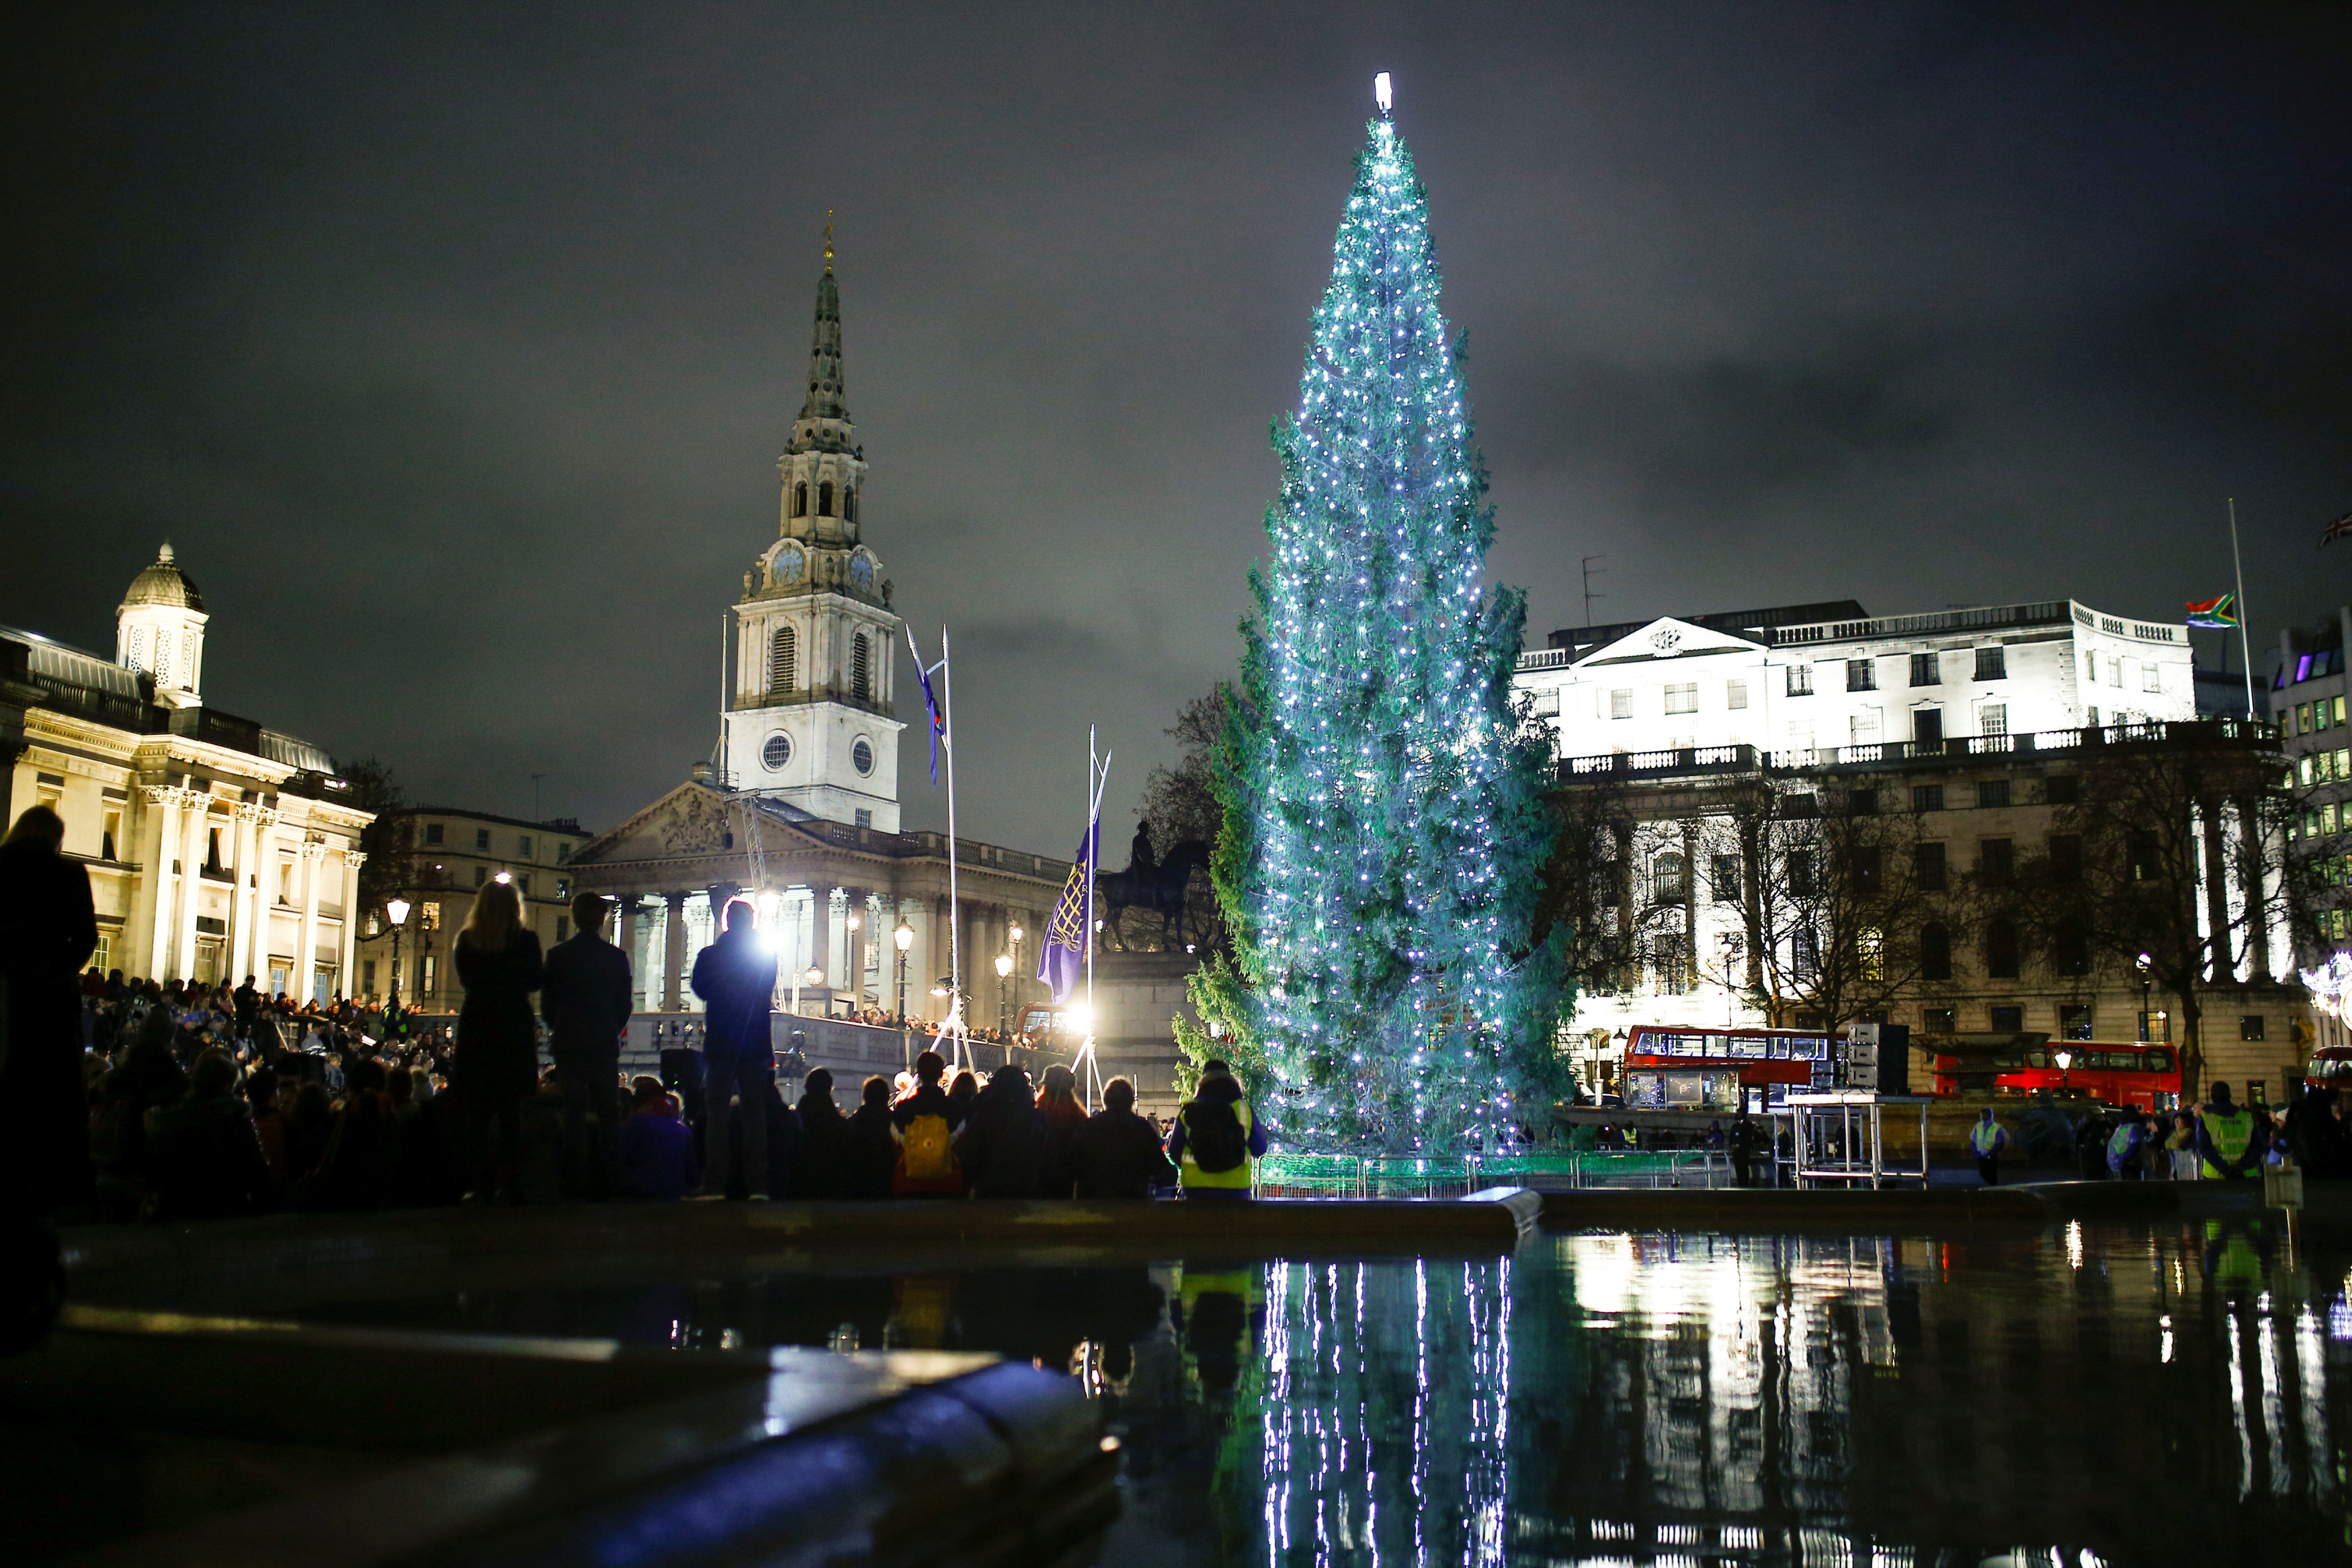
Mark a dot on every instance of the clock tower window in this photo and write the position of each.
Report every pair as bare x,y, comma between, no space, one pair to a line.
800,499
860,673
825,499
783,654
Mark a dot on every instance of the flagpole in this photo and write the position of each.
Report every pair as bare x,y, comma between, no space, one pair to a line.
1098,777
2245,649
955,904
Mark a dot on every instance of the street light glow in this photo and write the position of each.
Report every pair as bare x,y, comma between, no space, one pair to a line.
1003,965
397,910
904,936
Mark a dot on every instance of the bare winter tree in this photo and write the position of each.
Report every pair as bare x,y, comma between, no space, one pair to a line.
391,863
2172,857
1588,885
1180,805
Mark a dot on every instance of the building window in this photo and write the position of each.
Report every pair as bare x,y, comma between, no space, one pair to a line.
825,499
1993,663
2152,676
865,818
1991,792
1682,698
1671,964
861,756
367,977
563,853
433,833
526,844
2065,858
1926,669
1727,879
2091,664
1930,871
2008,1020
1801,679
1862,674
800,499
1800,874
1805,953
1927,796
1935,953
1621,702
1997,861
2063,790
2140,849
2115,672
1993,719
1863,864
1862,727
2074,1021
2091,715
849,504
2250,1026
522,885
564,888
1943,1021
775,751
861,678
429,974
481,875
2070,949
2001,952
1927,727
1734,694
481,838
783,659
1666,882
112,831
563,928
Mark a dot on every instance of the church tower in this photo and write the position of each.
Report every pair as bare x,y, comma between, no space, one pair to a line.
159,627
809,718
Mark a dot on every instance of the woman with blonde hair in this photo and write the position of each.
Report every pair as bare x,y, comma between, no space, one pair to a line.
497,1063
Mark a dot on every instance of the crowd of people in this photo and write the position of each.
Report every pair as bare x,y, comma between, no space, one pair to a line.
139,1099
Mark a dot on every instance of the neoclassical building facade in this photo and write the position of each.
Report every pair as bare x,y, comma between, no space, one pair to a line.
800,813
217,848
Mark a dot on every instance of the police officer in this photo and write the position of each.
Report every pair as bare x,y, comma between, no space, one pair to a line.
1986,1141
2228,1143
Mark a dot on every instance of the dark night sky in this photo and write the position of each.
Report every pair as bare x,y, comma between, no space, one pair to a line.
453,347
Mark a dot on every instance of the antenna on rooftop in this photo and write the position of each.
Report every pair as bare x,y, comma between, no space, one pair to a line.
1588,595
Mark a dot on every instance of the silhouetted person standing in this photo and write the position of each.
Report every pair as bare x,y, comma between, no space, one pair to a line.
585,1000
1116,1152
736,979
824,1152
497,1063
48,929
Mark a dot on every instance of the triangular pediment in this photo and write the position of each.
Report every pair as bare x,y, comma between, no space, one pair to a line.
1667,638
696,820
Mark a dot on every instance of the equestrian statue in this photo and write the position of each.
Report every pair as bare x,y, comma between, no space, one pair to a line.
1156,886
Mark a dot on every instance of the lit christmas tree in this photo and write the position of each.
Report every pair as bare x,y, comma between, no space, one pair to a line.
1384,824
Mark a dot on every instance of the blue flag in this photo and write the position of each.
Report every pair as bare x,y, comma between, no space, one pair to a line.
931,706
1064,959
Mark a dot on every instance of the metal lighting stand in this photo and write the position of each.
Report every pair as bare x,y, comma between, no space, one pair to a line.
1856,1115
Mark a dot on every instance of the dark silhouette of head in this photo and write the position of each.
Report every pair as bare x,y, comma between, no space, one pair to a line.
1118,1094
931,1067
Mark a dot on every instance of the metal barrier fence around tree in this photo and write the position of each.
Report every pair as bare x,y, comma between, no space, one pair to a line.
1349,1176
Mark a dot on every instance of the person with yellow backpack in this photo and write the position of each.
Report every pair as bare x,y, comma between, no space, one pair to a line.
1215,1138
924,1123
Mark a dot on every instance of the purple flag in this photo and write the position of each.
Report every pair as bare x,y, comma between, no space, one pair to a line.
1064,959
931,706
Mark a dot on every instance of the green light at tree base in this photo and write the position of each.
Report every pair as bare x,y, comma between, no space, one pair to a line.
1384,814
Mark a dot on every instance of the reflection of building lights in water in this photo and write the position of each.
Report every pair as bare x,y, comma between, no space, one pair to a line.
2164,1351
2074,1243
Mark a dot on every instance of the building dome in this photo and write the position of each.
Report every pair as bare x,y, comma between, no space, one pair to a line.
164,583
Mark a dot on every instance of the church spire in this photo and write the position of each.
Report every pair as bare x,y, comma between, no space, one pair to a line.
824,388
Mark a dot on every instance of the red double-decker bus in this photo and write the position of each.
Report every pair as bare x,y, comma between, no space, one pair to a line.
1672,1068
2147,1077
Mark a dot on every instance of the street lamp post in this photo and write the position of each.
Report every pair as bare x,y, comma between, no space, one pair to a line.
2065,1060
1004,993
2146,998
396,910
814,976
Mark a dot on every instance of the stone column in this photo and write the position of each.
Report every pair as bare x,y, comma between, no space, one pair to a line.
856,930
193,841
942,954
306,961
625,935
241,900
344,978
673,951
162,832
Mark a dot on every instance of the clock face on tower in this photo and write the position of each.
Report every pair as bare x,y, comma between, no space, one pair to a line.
861,570
792,565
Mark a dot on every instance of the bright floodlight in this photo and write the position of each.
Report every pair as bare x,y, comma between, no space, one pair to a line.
768,906
504,877
397,908
1381,90
1082,1020
904,936
1003,965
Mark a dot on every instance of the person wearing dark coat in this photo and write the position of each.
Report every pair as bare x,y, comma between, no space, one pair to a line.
823,1170
1005,1145
586,1001
205,1153
873,1142
1116,1152
48,928
736,979
497,1063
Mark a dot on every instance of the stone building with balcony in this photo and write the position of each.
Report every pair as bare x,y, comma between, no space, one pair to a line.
1676,927
216,847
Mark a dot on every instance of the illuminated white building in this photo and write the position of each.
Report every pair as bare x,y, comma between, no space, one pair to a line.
215,848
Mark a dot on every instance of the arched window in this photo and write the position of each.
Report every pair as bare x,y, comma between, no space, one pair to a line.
783,658
1667,882
849,504
2000,948
825,499
2070,947
800,499
1935,953
861,679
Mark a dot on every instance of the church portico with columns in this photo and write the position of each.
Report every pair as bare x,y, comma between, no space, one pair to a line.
830,895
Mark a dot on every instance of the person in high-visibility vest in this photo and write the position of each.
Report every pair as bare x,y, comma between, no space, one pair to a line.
2228,1143
1215,1137
1986,1141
